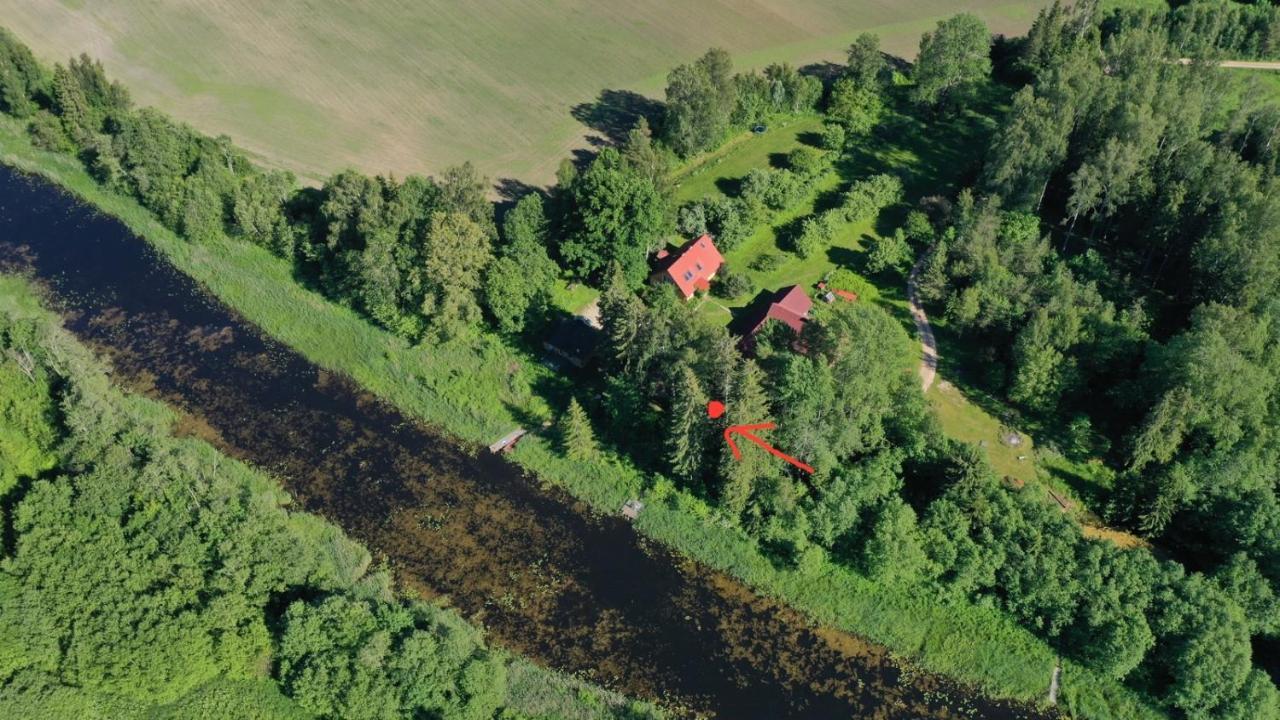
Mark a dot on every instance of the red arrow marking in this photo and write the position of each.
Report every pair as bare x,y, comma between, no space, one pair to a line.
745,431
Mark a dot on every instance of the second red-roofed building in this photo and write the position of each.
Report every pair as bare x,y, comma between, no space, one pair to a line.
690,268
791,306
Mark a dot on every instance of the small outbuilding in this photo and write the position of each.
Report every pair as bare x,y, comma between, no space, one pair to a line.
631,509
790,305
573,340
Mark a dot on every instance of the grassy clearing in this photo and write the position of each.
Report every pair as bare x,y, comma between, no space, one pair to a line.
931,159
389,86
481,388
964,421
719,171
572,297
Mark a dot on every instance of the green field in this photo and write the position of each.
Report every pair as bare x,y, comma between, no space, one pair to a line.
394,86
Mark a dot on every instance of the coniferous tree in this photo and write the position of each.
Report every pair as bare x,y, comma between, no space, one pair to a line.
747,404
688,425
576,434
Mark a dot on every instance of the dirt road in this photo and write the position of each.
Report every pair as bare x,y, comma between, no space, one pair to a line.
928,345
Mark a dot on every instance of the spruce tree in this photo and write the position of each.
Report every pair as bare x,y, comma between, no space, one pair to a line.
622,315
576,434
687,431
747,404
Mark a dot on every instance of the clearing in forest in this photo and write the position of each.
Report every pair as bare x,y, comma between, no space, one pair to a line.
393,86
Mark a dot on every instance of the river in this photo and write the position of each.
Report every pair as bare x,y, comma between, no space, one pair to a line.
548,578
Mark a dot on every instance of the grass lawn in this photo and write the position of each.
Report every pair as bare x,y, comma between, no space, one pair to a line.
931,159
572,297
719,171
392,86
1268,81
966,421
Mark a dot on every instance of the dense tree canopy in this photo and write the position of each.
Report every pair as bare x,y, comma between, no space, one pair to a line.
953,60
139,569
617,216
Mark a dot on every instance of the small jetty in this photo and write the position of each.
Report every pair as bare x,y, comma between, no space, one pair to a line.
508,441
631,509
1063,502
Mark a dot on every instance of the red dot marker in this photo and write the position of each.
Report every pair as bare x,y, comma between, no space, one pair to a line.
715,409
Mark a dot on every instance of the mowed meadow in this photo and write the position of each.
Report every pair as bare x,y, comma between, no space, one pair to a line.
403,86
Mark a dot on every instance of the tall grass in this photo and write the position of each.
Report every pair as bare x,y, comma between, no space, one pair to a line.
480,388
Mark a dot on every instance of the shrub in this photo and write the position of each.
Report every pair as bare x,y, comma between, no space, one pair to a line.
730,284
815,234
47,133
849,281
833,138
807,161
889,252
775,189
867,197
756,184
729,220
784,190
767,262
918,228
691,221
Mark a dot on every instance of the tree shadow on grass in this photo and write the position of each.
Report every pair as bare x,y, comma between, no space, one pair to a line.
1092,493
813,139
829,199
731,187
827,72
890,219
509,191
843,257
616,112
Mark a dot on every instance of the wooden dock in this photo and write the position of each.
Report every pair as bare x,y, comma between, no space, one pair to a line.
508,441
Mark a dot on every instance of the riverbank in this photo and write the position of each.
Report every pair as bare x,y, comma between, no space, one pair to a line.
92,685
479,399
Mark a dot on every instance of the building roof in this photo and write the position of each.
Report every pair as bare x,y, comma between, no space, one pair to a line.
573,339
693,265
791,305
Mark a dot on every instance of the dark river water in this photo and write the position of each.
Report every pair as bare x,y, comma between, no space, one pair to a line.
546,577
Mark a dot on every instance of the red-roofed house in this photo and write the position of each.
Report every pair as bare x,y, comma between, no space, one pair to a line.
691,267
790,305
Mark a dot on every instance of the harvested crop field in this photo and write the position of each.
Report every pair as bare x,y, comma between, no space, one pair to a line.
413,86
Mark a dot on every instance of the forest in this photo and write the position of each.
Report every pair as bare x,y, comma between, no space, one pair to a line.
1114,262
